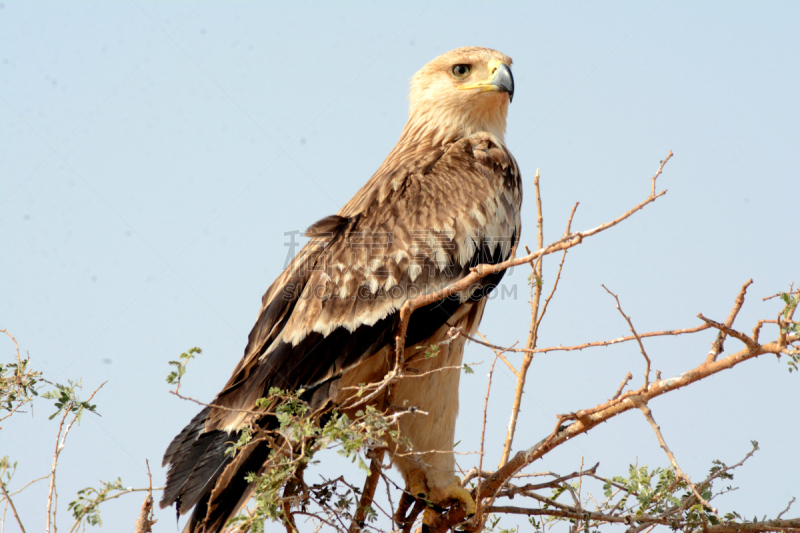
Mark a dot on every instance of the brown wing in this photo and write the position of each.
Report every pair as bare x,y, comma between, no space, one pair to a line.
409,232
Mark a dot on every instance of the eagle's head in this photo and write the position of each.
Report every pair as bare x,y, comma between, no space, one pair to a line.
464,91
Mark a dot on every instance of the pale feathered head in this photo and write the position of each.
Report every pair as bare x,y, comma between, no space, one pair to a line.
462,92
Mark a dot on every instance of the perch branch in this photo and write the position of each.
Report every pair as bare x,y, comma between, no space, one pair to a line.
586,419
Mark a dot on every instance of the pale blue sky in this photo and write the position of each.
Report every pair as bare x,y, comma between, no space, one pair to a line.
154,154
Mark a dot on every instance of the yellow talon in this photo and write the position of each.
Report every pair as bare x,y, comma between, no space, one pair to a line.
438,498
458,493
429,517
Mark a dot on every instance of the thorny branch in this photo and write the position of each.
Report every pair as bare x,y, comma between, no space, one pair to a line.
493,485
483,430
595,344
13,508
586,419
648,414
635,335
533,332
622,386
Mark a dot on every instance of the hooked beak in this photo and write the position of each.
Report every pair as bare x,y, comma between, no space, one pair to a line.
501,80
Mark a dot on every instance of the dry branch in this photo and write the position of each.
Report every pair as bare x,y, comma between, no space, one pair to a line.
478,512
533,332
145,522
648,414
622,386
635,335
368,493
13,508
586,419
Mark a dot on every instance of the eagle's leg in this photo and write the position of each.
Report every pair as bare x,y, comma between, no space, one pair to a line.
417,484
454,492
428,466
442,497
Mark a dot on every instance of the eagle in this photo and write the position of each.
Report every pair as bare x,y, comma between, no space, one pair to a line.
446,199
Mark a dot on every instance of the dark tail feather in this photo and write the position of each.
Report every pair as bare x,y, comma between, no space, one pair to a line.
196,475
189,433
202,476
195,459
232,491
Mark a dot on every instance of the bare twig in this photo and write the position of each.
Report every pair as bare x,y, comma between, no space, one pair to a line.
578,514
51,488
144,524
622,386
666,333
536,287
788,506
658,173
555,483
636,335
28,484
497,350
13,508
478,511
718,345
216,406
536,320
560,268
729,331
648,414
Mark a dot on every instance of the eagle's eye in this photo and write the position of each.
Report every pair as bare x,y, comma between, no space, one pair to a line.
461,71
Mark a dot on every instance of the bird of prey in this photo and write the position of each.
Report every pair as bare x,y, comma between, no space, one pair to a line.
446,199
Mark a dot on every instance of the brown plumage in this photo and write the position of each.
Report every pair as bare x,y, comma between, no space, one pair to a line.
446,198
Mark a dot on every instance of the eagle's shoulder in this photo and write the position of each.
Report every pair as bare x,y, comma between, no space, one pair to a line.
465,162
491,155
